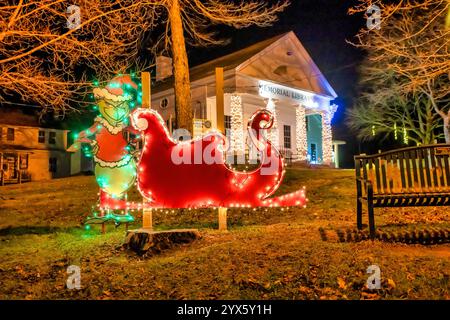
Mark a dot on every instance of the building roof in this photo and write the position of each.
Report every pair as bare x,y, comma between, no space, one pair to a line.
15,117
301,73
5,148
229,61
14,147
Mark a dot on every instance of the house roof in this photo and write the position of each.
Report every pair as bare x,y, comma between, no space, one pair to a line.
229,61
27,149
14,147
15,117
315,82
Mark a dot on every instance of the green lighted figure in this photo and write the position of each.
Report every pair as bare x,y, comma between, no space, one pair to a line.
115,167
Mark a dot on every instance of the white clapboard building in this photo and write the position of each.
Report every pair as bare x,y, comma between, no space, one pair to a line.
277,74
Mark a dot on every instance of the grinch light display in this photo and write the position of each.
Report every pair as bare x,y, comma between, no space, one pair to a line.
197,167
115,167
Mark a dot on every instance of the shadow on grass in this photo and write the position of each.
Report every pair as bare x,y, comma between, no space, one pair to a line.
424,236
174,226
24,230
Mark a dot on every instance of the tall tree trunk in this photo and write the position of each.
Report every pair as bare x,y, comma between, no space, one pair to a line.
183,107
447,128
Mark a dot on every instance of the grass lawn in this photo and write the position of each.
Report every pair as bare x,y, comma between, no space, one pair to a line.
266,254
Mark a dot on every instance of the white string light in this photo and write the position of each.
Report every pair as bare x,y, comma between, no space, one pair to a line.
237,124
301,135
327,134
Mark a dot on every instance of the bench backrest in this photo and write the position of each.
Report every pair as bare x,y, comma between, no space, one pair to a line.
422,169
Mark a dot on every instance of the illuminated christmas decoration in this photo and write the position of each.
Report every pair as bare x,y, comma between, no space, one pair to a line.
115,167
198,166
237,124
273,133
374,133
395,131
327,136
301,134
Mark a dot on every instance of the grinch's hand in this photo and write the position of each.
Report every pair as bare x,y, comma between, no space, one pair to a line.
136,154
82,135
83,140
94,146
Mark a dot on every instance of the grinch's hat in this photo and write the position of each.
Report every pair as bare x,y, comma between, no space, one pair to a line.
120,88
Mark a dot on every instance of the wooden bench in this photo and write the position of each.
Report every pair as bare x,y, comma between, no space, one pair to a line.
409,177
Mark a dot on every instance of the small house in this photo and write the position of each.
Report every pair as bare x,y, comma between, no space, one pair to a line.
29,150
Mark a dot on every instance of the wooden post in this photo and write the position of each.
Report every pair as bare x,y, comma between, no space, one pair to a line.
146,90
147,214
147,219
220,101
222,219
220,119
17,169
2,177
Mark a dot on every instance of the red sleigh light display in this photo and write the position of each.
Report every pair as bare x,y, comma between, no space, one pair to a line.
203,182
172,174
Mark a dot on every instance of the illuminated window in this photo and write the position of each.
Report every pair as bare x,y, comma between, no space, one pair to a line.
287,136
228,122
41,136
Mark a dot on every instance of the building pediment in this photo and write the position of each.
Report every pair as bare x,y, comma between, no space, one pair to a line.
287,62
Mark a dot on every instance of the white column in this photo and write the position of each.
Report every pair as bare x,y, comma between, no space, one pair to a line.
301,138
237,124
327,135
327,139
274,135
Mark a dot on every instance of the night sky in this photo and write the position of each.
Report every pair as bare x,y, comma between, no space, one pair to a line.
323,26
